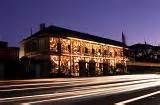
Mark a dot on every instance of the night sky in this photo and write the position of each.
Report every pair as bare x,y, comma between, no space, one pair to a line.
138,19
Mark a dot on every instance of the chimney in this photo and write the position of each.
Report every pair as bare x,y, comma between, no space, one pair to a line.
42,26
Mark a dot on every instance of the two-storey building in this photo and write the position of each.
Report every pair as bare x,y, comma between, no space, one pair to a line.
67,52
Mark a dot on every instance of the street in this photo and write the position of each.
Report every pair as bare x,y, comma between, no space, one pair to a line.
110,90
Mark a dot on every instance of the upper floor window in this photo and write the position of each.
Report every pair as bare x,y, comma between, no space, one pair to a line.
115,54
99,51
69,48
59,47
76,49
86,50
105,52
93,51
65,44
53,44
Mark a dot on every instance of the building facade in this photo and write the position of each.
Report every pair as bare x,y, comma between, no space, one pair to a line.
144,53
8,52
70,53
9,57
144,58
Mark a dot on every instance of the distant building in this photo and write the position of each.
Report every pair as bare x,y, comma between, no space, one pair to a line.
59,51
3,44
144,53
8,52
143,58
8,59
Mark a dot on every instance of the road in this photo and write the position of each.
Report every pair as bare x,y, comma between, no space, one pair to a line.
109,90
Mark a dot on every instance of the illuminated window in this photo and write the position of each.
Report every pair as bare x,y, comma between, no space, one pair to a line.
76,47
53,44
65,44
55,67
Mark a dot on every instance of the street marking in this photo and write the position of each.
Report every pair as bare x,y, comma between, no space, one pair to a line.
137,98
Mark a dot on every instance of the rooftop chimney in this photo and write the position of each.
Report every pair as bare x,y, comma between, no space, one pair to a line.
42,26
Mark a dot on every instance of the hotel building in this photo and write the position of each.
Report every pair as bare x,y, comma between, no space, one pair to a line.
67,52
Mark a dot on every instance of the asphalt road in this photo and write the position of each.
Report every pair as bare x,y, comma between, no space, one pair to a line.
112,90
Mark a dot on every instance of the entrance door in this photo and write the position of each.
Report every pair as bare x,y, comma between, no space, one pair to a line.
82,69
92,68
37,72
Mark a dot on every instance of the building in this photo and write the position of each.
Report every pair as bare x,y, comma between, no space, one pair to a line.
144,53
144,58
8,52
9,57
59,51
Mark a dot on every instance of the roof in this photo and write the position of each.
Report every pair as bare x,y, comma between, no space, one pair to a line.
3,44
139,45
144,46
64,32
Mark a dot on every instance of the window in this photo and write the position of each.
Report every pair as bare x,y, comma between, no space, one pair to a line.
53,44
69,48
105,52
86,50
59,47
93,51
99,51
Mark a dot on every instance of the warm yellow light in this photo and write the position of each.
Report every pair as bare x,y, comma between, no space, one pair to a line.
94,42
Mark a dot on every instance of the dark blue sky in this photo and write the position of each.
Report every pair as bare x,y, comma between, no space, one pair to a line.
139,19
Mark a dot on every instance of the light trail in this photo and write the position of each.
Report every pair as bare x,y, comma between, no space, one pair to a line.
93,93
79,80
137,98
76,85
86,90
96,86
36,84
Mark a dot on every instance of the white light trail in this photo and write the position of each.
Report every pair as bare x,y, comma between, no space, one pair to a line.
110,88
89,91
55,86
83,80
137,98
96,92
